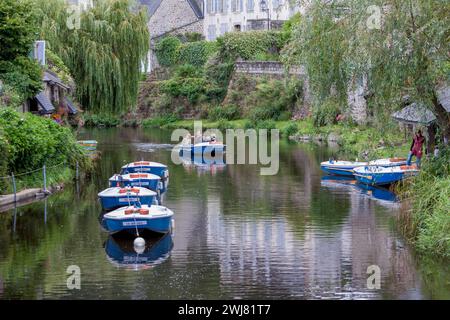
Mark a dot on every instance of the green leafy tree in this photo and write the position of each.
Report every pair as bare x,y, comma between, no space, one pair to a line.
18,31
401,46
105,54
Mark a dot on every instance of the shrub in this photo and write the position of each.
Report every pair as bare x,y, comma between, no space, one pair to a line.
220,73
167,51
190,88
187,71
227,112
196,53
100,120
326,113
247,45
34,141
159,122
290,130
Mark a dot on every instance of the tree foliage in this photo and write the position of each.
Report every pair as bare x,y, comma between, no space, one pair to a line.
104,54
401,46
18,31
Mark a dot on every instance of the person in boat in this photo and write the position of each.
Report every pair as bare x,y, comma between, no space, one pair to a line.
416,148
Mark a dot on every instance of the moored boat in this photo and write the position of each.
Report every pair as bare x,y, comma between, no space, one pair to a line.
137,219
377,176
344,168
117,197
88,144
146,180
146,167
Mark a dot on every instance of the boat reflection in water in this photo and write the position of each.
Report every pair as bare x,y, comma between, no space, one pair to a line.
122,253
204,163
382,195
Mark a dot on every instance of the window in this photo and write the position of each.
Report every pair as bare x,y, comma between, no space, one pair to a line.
250,5
212,32
223,28
237,5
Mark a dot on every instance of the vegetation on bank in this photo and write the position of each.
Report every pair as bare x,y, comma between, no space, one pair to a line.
30,142
20,76
104,50
427,222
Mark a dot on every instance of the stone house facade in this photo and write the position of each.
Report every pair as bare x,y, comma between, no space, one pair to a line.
223,16
172,17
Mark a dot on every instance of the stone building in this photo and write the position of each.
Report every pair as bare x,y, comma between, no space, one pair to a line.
172,17
223,16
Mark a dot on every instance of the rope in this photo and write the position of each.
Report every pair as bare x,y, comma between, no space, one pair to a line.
32,171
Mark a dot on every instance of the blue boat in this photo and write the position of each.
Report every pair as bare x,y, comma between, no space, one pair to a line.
378,176
343,168
136,219
346,168
113,198
146,180
202,149
122,253
155,168
146,167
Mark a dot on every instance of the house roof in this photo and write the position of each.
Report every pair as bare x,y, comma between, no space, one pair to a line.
415,113
53,78
444,97
70,106
153,5
44,102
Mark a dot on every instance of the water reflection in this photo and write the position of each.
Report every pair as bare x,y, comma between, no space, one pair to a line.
122,253
238,235
348,184
204,164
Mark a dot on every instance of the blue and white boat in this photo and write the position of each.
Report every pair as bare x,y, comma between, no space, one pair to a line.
122,253
146,180
378,176
146,167
135,219
206,149
345,168
155,168
113,198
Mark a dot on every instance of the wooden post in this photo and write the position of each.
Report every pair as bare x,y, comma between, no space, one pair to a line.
45,179
76,172
14,187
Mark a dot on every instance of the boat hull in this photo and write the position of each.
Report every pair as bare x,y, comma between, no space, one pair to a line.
342,171
110,203
158,225
162,172
379,179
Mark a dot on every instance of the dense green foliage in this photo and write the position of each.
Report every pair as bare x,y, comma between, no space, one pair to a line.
428,226
33,141
104,120
406,52
104,54
167,51
196,53
18,31
247,45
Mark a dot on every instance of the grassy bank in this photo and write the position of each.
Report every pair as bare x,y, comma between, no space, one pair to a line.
425,219
353,141
29,142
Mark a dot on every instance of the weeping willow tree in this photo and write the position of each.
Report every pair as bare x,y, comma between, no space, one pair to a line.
103,46
401,46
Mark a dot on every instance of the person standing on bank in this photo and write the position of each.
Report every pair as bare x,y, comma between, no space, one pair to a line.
416,148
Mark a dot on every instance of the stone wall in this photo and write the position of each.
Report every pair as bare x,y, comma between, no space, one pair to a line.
276,70
266,68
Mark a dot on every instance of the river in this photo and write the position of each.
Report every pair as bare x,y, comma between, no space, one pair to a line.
237,235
